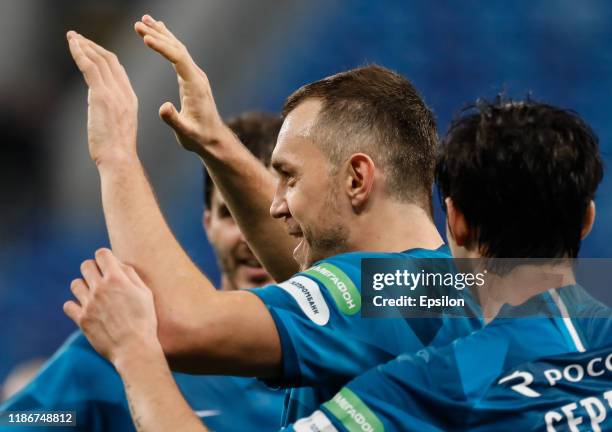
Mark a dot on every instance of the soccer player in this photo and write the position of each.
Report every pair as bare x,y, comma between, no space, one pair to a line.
239,267
78,379
355,161
518,180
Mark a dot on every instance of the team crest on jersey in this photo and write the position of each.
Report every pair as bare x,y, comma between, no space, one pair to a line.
340,286
308,296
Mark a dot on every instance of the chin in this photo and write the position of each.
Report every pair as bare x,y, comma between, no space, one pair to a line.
243,284
259,282
245,281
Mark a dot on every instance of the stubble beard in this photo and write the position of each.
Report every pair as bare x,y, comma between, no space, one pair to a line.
330,240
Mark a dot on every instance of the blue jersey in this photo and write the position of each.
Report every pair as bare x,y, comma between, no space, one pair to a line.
548,371
78,379
326,343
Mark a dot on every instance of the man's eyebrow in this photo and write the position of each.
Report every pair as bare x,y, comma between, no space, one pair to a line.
278,166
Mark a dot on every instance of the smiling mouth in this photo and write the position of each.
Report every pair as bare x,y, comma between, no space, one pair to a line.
294,231
299,237
253,270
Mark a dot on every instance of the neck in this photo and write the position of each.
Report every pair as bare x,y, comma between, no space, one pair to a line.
395,227
521,284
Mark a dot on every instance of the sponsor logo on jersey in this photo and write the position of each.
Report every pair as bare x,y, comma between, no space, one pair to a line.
317,422
353,413
340,286
592,367
522,386
581,410
309,298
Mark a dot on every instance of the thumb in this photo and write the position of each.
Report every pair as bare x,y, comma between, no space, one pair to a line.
169,114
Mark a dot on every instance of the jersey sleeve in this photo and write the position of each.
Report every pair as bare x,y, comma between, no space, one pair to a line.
414,392
323,337
75,379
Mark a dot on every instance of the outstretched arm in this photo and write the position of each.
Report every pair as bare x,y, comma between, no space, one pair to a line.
200,329
247,187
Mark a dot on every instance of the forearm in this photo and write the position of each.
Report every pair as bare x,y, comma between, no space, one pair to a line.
155,401
140,237
248,188
200,329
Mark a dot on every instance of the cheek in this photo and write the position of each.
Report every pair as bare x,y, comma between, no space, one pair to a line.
304,199
230,232
294,198
211,233
223,235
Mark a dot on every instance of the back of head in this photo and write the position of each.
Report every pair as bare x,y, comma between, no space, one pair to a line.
258,132
378,112
523,174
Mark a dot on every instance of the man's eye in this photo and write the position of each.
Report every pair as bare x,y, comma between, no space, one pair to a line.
224,213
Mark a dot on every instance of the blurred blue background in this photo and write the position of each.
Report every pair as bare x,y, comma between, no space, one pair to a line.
256,53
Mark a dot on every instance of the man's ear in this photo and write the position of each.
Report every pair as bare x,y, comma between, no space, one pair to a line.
457,225
360,179
589,220
206,220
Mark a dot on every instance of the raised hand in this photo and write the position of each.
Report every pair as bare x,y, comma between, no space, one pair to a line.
112,120
114,308
198,124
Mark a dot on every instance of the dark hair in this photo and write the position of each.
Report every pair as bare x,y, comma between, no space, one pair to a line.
377,111
258,132
523,174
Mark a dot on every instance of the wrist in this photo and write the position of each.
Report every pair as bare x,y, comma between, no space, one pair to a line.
216,143
134,357
117,161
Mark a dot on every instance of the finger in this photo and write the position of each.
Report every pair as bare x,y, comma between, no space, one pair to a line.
117,71
132,275
158,30
80,290
73,311
99,60
90,71
108,262
169,114
144,30
172,50
157,25
91,273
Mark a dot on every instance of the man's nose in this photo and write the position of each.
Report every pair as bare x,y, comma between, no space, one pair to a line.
278,208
